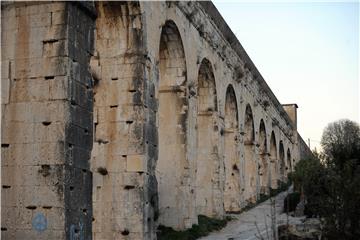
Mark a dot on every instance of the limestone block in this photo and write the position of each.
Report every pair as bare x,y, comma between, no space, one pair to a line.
120,71
120,147
8,234
49,153
8,38
28,176
118,131
8,21
29,90
8,178
9,196
116,163
56,66
135,163
103,234
58,17
98,181
5,155
17,112
136,148
132,204
40,19
112,46
40,67
50,195
58,88
55,32
24,218
5,90
55,217
132,179
54,48
18,133
34,48
34,9
42,134
7,219
47,111
114,94
132,224
45,235
37,91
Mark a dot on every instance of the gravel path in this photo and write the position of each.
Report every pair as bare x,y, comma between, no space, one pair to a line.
255,223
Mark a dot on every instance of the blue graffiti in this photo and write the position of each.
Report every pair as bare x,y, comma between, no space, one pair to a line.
77,234
39,222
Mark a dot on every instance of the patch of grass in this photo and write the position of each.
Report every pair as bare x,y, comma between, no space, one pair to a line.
203,228
248,207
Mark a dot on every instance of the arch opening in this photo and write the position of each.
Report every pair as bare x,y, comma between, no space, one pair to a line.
288,158
273,162
282,162
207,174
250,157
172,166
263,163
231,156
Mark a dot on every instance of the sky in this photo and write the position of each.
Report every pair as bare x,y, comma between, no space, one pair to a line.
307,52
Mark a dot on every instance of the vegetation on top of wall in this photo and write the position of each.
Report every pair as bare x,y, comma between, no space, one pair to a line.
203,228
330,181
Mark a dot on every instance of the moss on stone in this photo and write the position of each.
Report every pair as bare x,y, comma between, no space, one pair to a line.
203,228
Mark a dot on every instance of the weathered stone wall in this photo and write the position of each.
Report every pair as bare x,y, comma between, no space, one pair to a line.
304,150
46,120
183,122
118,157
246,173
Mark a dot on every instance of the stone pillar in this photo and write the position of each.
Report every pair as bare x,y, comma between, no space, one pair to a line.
46,120
257,159
80,18
291,110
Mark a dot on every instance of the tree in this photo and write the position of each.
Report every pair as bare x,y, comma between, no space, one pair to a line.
341,146
340,142
331,181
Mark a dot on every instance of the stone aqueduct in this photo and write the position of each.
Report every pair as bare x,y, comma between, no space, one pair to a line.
120,116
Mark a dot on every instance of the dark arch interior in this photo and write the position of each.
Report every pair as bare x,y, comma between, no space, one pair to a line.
172,167
232,164
273,162
263,164
251,168
207,140
282,160
288,157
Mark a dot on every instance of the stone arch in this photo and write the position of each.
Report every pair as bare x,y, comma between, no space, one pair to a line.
250,156
273,161
282,161
288,159
207,171
231,156
172,168
263,163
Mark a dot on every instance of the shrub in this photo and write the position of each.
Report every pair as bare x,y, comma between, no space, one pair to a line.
204,227
330,181
291,201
